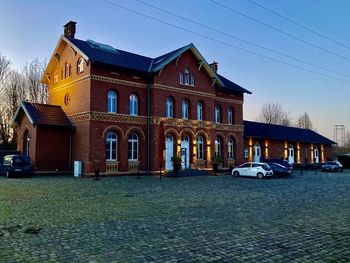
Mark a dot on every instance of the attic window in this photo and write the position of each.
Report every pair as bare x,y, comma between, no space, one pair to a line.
187,78
67,70
80,65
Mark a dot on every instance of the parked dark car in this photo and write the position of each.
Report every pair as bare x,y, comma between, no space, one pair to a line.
285,163
333,166
15,165
280,170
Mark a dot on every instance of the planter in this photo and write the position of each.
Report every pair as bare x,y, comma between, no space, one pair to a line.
215,168
176,168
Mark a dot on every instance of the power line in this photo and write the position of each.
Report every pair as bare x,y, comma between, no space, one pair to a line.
222,42
308,21
279,30
300,25
243,40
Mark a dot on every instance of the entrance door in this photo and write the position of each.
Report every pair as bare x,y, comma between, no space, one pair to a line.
257,152
316,155
291,154
169,152
185,156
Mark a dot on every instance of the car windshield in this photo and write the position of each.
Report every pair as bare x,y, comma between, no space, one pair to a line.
21,160
266,167
331,163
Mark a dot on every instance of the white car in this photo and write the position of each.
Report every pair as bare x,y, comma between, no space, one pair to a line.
259,170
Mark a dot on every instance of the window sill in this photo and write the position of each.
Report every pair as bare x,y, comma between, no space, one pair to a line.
187,85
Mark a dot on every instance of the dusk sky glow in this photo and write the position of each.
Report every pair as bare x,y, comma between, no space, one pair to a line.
303,63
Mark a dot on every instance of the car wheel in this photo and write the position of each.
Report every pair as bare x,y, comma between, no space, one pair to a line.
235,173
260,175
8,175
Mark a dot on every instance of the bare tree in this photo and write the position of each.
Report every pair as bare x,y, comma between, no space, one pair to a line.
37,91
305,122
4,68
13,93
273,113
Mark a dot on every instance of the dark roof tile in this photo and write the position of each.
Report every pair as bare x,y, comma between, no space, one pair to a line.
44,114
284,133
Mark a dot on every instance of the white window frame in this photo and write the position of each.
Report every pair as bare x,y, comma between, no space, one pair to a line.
217,149
185,109
133,141
80,67
181,78
230,145
217,114
133,105
199,111
111,144
187,76
169,108
112,102
192,80
229,116
200,148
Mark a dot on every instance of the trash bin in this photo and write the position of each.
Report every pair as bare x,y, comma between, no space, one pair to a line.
77,168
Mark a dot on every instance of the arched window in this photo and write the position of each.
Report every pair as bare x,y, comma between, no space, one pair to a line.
181,78
26,143
192,80
187,76
200,148
230,148
229,116
185,109
217,146
199,111
133,147
111,146
169,108
133,105
80,65
217,114
112,102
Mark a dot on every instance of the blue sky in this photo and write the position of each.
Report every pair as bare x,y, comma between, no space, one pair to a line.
30,29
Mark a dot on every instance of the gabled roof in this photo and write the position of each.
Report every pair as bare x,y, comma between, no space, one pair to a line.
43,114
231,86
102,53
283,133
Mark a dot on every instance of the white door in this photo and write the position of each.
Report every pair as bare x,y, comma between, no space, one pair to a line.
291,154
316,155
257,152
169,152
185,157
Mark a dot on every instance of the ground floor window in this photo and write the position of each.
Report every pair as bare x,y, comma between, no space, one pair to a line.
200,148
133,144
230,149
111,146
217,146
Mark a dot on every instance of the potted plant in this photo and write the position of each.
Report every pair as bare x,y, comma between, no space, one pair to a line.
216,161
176,160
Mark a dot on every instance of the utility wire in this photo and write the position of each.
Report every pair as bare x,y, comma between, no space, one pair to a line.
222,42
298,24
308,21
279,30
243,40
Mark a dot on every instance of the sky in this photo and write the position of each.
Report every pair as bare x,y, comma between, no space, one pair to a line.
296,53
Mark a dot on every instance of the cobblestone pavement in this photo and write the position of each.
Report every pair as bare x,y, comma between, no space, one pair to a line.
305,218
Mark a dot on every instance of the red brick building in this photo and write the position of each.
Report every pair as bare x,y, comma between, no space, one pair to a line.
117,100
300,146
120,112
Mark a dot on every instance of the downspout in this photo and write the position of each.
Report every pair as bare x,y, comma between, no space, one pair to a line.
70,153
148,124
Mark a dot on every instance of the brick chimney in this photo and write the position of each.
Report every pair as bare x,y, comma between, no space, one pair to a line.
214,66
69,29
